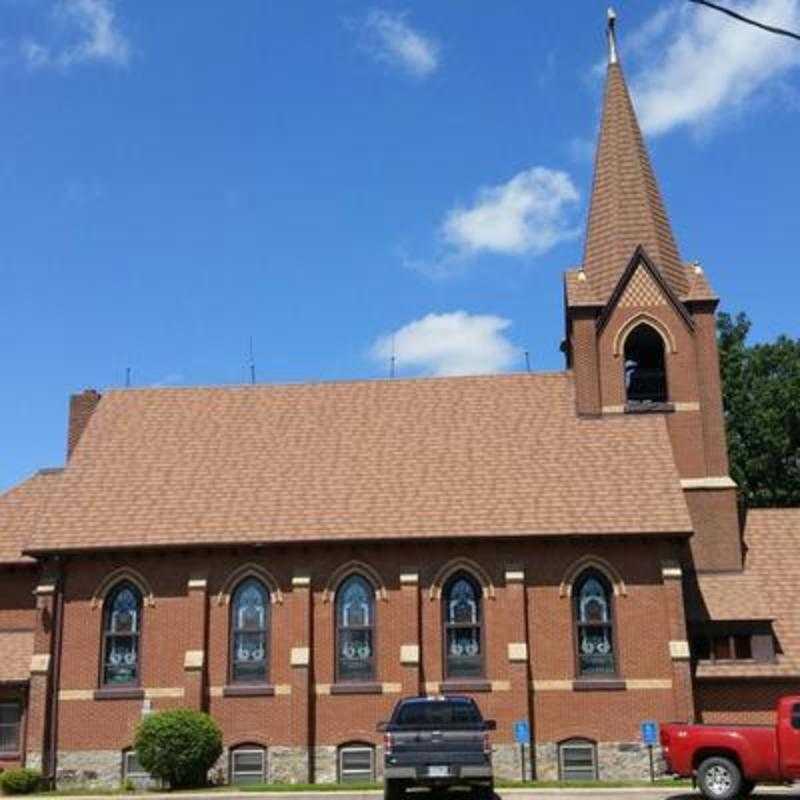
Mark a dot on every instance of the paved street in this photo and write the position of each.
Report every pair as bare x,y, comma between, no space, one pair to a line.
503,794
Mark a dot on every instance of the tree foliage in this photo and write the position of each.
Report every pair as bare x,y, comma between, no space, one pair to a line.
178,746
761,398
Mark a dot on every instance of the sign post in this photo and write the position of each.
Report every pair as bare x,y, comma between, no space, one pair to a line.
522,735
649,730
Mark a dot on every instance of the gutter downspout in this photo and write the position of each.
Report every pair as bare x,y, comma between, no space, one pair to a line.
58,624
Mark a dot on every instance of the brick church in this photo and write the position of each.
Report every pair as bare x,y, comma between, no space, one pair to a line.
567,548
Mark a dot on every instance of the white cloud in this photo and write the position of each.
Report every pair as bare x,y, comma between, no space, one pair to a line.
87,31
529,214
455,343
708,64
390,39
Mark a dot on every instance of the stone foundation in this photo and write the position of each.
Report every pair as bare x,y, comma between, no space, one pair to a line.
89,768
288,764
33,760
507,762
616,761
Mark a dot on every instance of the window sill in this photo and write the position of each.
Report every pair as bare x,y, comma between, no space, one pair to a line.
357,688
455,685
598,684
648,408
128,693
253,690
10,756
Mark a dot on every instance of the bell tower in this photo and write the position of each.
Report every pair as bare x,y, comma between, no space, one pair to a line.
641,326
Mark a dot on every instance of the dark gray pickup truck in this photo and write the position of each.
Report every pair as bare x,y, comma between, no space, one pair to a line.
437,742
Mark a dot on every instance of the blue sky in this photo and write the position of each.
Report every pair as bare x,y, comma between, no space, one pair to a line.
177,177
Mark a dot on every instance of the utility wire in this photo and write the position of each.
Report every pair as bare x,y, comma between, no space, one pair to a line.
742,18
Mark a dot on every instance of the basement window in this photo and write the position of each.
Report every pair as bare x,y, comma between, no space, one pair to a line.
248,765
356,764
10,718
577,760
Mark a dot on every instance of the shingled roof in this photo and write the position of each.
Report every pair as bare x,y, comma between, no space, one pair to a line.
626,207
20,511
490,456
765,590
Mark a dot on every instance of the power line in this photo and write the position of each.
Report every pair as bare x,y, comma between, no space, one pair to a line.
742,18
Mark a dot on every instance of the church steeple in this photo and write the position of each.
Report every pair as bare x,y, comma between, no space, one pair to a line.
626,207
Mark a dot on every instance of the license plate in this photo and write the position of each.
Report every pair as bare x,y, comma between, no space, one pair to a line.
438,772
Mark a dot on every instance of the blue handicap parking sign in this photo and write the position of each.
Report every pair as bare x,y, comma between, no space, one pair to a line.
522,731
650,732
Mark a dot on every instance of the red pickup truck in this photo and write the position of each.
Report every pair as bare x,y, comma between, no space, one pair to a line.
728,760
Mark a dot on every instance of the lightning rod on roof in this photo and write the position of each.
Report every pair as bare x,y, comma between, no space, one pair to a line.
127,377
252,363
392,360
612,36
527,361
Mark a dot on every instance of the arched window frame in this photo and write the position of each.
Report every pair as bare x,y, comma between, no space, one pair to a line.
476,667
236,629
666,347
248,749
110,633
609,625
343,628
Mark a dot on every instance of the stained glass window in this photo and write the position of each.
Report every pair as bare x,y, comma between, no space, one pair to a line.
122,628
594,625
355,627
249,632
462,628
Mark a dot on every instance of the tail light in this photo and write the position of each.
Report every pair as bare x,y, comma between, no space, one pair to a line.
487,745
388,744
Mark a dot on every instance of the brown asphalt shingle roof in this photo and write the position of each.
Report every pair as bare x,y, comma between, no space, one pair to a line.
17,649
626,207
766,589
499,455
20,512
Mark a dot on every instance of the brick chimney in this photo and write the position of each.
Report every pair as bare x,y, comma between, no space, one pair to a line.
81,408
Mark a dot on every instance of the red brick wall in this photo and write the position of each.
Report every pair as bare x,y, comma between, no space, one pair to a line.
643,632
742,702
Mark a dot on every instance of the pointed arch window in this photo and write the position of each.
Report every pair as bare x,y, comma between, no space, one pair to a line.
122,625
594,623
463,631
249,632
355,630
645,366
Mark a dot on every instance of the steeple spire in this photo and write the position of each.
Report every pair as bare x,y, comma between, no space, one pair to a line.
626,207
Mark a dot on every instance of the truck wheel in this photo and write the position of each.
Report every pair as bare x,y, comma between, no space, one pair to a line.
747,788
484,791
719,778
393,789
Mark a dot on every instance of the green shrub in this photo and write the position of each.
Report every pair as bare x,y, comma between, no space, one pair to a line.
179,747
20,781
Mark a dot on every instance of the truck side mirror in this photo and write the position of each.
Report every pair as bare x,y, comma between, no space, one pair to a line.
381,727
490,724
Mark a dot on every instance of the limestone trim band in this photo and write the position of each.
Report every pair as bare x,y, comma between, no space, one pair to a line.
671,570
278,689
719,482
149,694
381,688
679,406
409,578
635,684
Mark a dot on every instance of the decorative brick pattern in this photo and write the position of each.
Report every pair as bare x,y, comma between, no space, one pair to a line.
642,291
